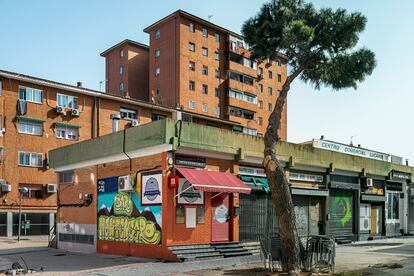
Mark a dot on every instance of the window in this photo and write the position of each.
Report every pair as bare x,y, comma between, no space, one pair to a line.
32,128
34,191
205,107
217,73
204,89
260,121
249,131
242,113
241,78
121,53
121,87
192,27
205,32
66,177
200,214
393,210
67,133
157,53
30,94
217,92
30,159
217,55
157,71
261,104
260,88
191,85
279,77
204,70
217,110
269,91
279,63
270,74
128,113
157,117
157,34
67,101
270,107
121,70
204,51
191,66
191,47
261,72
157,91
244,96
217,37
191,104
179,214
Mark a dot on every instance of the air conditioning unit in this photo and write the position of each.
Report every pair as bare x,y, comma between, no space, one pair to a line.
369,182
4,187
60,110
75,112
51,188
134,122
125,184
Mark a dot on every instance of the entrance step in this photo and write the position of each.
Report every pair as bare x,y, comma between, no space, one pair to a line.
195,252
231,249
252,246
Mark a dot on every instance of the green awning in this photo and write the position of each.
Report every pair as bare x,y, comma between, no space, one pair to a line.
256,181
30,119
67,125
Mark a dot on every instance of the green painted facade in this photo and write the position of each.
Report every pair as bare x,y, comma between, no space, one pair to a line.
184,134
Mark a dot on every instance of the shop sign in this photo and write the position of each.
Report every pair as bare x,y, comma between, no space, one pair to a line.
400,175
187,194
394,186
332,146
252,171
374,191
306,177
151,191
191,161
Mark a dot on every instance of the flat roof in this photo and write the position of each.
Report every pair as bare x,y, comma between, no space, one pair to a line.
125,41
195,18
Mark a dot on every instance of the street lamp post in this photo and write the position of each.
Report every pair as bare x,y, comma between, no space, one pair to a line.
22,191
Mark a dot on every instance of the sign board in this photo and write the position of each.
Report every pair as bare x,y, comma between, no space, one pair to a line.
190,217
191,161
187,194
400,175
306,177
332,146
151,191
252,171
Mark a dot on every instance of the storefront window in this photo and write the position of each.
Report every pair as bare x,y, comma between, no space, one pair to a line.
200,214
393,208
32,224
3,224
179,214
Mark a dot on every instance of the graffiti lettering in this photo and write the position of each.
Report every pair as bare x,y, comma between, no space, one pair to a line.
122,204
127,229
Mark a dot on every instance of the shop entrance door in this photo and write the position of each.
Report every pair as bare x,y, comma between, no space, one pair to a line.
220,231
376,220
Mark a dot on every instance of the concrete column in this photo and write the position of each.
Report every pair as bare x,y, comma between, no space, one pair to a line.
51,220
9,224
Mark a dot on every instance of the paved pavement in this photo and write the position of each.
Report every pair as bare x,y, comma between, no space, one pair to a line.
355,257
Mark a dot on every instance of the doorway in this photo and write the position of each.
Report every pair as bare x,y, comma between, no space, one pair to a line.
220,224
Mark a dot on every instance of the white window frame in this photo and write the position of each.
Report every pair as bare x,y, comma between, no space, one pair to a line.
191,46
62,175
69,102
191,65
204,51
121,53
205,32
249,131
217,37
157,34
31,156
216,55
204,70
128,112
191,104
157,53
121,87
217,110
69,133
205,107
191,85
157,71
121,70
32,90
191,27
204,89
32,125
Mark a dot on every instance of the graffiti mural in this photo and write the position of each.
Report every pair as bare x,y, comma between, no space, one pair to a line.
123,218
342,208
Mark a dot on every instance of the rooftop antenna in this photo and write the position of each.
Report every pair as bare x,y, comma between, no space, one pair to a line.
352,137
209,17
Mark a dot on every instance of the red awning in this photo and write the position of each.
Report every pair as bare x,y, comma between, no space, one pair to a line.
209,181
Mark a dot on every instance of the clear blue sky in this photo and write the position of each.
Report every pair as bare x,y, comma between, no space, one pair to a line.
61,40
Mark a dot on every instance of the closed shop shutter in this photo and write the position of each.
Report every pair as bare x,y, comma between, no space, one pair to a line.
341,210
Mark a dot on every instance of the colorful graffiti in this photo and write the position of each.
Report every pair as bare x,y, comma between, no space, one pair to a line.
122,218
341,207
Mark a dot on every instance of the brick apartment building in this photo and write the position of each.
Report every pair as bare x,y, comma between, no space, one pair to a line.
38,115
192,70
199,67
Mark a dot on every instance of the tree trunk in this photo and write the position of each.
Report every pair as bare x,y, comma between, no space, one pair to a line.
279,187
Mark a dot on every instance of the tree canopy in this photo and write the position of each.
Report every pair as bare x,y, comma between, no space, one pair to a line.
319,44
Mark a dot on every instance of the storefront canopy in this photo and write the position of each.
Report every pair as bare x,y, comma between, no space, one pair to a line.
258,183
209,181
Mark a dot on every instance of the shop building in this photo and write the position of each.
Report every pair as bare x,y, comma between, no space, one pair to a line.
190,190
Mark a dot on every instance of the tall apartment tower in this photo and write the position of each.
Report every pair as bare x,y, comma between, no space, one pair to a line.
126,70
205,69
